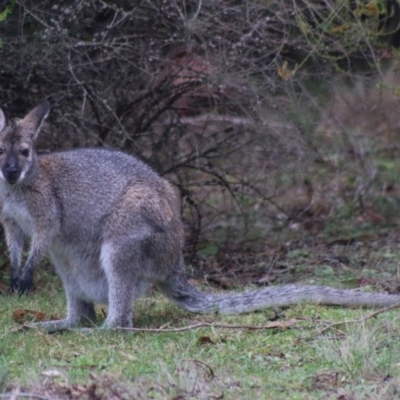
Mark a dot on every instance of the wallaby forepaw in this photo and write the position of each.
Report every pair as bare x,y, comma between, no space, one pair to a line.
14,284
25,284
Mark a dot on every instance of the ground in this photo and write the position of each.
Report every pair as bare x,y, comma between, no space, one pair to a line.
309,352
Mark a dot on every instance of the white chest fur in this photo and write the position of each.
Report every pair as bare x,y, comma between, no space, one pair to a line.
18,212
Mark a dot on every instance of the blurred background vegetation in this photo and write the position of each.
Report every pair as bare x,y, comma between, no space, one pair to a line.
277,121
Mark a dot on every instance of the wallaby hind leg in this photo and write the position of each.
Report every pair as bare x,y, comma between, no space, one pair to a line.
125,285
79,310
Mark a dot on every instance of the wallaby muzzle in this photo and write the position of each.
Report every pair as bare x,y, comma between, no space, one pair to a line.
11,171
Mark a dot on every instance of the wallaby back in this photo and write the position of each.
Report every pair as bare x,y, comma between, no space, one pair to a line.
112,227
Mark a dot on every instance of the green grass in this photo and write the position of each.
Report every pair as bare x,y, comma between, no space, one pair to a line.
363,350
360,361
295,363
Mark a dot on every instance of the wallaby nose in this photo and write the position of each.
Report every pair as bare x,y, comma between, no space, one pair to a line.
11,170
11,173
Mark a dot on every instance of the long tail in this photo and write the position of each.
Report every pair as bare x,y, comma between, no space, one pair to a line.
188,297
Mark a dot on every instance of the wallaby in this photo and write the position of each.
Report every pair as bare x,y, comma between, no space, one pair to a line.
112,227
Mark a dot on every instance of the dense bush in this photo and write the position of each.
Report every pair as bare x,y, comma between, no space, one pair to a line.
217,95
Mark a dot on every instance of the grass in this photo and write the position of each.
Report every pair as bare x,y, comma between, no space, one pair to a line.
363,351
365,357
295,363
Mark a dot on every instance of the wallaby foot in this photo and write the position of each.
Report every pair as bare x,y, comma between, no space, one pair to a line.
118,323
61,326
51,326
66,325
79,312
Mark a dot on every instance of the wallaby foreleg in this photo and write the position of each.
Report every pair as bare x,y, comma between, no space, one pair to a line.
25,280
15,245
40,243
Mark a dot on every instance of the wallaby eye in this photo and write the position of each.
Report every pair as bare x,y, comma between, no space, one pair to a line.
24,152
1,151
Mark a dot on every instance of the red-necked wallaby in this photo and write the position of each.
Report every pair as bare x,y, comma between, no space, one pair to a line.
112,227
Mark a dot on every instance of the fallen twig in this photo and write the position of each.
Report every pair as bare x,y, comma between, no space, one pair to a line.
373,314
272,325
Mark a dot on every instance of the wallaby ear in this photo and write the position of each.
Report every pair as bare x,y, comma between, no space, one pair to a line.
32,122
3,121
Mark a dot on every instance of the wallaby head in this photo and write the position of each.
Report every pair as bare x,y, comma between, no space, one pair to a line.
17,149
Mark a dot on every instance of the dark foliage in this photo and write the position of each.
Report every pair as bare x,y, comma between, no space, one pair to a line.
186,85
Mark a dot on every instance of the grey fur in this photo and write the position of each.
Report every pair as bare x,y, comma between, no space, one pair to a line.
112,227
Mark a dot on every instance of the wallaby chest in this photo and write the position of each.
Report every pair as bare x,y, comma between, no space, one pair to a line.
16,209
